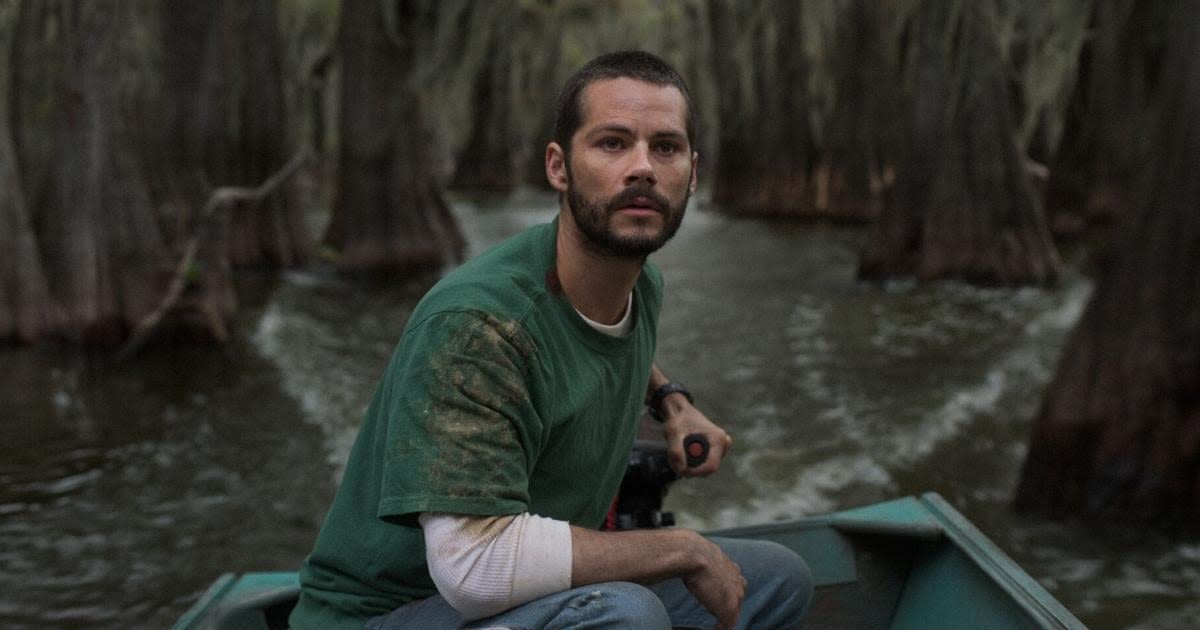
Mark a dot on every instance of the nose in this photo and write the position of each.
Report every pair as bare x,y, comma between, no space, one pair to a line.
640,168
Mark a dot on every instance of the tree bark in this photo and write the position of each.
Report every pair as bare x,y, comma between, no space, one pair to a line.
491,157
26,311
1104,147
963,206
1118,434
539,86
765,146
853,171
33,91
227,121
389,211
111,199
106,261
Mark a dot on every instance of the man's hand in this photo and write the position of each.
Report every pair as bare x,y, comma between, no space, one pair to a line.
648,556
717,583
681,420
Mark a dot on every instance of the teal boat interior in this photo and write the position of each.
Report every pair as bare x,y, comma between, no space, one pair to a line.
904,564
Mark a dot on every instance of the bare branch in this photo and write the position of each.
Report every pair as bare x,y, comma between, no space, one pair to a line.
219,198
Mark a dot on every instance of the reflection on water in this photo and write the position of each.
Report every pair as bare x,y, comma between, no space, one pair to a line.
125,489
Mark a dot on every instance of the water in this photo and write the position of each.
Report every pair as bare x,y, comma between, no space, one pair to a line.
125,489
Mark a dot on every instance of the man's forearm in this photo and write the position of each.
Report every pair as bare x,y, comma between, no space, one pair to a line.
643,557
650,556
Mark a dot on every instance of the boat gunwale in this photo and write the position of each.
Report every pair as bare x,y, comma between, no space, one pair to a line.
928,518
999,567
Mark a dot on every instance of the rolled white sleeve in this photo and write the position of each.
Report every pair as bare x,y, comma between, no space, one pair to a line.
484,565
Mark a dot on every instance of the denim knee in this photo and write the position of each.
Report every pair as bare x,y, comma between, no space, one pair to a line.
791,590
798,582
780,584
618,605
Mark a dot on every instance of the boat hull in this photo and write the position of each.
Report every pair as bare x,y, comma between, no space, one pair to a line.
910,563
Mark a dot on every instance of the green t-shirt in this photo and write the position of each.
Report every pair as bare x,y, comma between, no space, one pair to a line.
499,399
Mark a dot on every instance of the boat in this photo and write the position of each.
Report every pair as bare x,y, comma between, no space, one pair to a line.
907,563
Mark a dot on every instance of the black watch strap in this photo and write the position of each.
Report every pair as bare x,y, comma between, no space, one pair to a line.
656,400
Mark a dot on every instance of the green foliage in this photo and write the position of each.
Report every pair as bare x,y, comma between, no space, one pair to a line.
194,276
451,42
820,20
308,30
542,44
317,19
329,253
8,21
1043,41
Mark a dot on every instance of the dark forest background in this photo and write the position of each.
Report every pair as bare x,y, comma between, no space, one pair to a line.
149,150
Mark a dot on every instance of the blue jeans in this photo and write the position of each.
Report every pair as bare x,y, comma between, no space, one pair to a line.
778,591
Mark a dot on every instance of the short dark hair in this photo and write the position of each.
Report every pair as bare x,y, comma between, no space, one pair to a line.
631,64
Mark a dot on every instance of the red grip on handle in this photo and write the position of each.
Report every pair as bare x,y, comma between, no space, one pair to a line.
695,447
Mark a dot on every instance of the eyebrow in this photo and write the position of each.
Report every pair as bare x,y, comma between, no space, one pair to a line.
622,129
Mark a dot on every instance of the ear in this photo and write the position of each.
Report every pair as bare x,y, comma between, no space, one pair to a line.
556,167
695,160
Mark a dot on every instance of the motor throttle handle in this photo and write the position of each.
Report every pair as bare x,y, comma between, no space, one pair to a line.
695,447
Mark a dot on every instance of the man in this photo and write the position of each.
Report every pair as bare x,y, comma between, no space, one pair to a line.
498,437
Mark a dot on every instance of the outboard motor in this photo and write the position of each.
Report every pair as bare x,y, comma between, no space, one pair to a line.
647,476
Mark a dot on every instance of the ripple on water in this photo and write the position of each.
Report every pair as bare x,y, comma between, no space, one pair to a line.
814,490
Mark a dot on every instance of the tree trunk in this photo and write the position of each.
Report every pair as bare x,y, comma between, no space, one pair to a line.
389,212
105,258
110,198
1103,146
538,89
34,55
1118,435
850,179
963,206
26,312
490,160
764,147
227,121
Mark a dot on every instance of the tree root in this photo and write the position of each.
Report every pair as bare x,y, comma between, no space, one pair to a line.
220,198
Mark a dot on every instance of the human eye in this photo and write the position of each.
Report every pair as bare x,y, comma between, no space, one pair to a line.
666,147
610,143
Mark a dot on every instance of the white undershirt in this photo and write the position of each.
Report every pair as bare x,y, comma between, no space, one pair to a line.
484,565
619,329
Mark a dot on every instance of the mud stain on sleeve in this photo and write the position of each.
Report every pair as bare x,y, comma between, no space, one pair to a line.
478,396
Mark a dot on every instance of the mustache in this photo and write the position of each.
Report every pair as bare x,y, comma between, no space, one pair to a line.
629,197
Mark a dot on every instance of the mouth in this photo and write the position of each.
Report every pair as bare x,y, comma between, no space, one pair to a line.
641,205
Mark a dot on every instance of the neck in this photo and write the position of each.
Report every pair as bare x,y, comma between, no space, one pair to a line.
596,285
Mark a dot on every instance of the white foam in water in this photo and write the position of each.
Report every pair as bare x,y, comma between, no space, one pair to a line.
304,379
1186,617
809,346
950,419
810,494
818,484
1020,366
1066,314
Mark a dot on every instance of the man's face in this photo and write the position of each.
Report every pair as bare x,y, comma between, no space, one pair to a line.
631,168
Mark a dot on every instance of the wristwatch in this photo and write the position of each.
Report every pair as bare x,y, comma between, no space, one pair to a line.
656,399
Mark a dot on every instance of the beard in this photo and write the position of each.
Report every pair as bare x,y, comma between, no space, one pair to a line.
593,217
